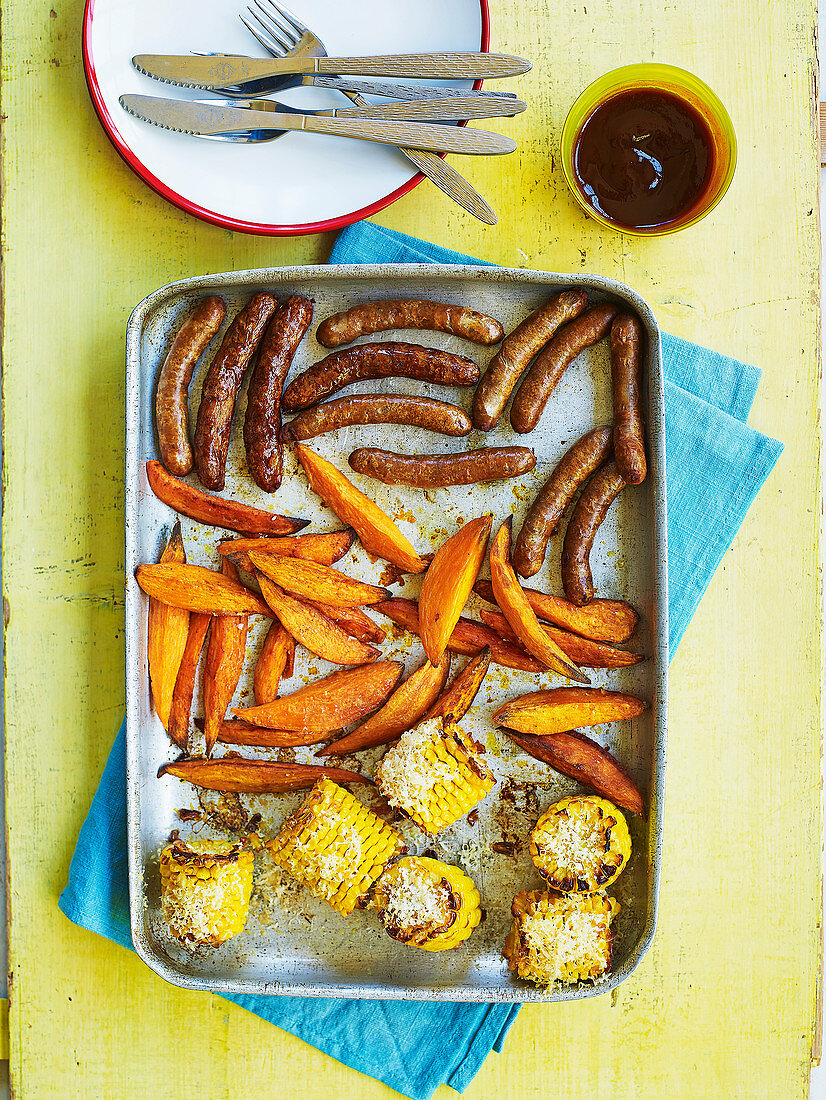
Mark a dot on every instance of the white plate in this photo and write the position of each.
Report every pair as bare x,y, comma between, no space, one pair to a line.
298,183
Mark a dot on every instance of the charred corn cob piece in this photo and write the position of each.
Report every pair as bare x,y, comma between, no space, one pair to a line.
335,846
560,937
205,890
427,903
580,844
435,773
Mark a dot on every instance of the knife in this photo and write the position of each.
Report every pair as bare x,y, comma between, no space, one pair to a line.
206,119
455,109
198,71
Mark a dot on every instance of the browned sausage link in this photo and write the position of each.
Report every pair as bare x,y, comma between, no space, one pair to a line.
262,425
590,510
541,380
436,471
626,367
343,328
390,360
378,408
221,386
542,520
516,352
172,396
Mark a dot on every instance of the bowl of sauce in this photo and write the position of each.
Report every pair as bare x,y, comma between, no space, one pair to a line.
648,149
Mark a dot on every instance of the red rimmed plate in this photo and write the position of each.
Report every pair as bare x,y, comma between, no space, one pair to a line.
298,183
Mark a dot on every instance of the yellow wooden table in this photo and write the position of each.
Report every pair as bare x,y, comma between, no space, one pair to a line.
724,1004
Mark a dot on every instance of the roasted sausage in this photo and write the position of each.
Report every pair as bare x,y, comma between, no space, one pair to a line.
390,360
172,395
378,408
541,380
542,520
591,509
519,347
626,367
343,328
221,385
436,471
262,425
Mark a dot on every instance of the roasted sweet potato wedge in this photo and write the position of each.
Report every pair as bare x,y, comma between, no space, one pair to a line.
325,548
307,580
514,605
224,661
557,710
181,709
344,697
353,621
583,651
454,703
601,620
166,638
377,531
197,589
234,773
448,583
272,660
313,630
214,510
408,703
580,758
468,637
233,731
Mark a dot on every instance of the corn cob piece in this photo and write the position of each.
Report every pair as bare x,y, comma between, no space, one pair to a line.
435,773
205,890
335,846
560,937
427,903
581,844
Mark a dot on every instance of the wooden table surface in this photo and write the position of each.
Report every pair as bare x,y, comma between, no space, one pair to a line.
724,1004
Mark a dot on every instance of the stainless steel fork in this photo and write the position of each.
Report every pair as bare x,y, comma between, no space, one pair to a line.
281,33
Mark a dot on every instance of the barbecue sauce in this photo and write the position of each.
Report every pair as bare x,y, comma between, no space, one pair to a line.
644,159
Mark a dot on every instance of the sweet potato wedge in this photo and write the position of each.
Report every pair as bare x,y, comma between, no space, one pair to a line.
448,582
601,620
580,758
557,710
166,635
197,589
377,531
468,637
352,621
408,703
313,630
456,701
272,660
307,580
217,511
178,728
233,731
224,661
583,651
234,773
516,609
345,696
325,548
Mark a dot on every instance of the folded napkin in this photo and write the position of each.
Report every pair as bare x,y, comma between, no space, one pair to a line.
715,466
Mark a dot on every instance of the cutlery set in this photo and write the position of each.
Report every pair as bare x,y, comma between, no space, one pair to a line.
415,123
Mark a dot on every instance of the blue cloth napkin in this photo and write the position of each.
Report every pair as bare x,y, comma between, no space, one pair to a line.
715,466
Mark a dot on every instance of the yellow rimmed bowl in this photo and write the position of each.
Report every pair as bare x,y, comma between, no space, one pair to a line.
677,82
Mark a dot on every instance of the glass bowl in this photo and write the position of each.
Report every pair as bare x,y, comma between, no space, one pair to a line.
685,86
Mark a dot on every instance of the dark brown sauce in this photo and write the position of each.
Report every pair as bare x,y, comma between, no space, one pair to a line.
644,158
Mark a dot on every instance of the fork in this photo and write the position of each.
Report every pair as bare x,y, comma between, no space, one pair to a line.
281,33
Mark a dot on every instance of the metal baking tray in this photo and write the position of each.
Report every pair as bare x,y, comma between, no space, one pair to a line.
294,944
